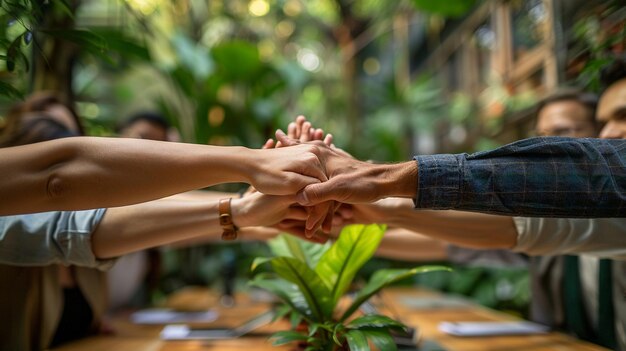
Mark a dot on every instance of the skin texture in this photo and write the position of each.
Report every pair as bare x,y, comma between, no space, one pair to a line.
612,111
85,172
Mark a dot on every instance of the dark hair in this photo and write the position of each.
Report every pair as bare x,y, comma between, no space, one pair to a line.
613,73
148,116
38,102
590,101
39,127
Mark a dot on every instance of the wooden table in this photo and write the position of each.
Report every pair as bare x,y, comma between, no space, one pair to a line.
425,318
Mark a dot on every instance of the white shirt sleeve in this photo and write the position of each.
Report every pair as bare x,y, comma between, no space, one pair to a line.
57,237
601,237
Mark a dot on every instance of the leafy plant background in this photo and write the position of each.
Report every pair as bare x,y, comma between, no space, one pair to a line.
311,279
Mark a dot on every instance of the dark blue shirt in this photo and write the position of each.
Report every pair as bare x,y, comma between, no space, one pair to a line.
543,177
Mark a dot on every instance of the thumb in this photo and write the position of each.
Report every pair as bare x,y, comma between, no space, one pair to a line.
315,193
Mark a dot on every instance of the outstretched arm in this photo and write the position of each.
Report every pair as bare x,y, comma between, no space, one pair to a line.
467,229
86,172
541,177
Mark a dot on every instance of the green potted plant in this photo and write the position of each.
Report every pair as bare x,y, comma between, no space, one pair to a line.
311,279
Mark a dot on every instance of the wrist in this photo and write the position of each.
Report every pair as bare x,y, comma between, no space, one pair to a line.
244,163
400,180
239,212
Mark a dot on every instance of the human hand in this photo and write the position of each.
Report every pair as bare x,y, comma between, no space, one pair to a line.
284,171
302,131
354,181
257,209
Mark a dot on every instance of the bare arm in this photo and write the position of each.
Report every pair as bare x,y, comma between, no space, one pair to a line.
166,221
467,229
84,172
405,245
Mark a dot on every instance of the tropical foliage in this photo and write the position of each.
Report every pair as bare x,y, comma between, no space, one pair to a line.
312,279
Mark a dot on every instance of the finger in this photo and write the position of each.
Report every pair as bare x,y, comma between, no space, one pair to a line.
317,215
314,194
306,132
284,139
327,224
292,131
299,122
296,213
318,134
328,140
269,144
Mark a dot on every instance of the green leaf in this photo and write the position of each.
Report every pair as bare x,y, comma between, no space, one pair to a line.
65,7
380,338
295,319
375,321
9,91
123,44
287,336
14,53
451,8
291,246
308,282
285,291
383,278
357,341
355,246
258,262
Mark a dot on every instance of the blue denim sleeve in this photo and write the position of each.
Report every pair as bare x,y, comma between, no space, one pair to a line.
58,237
542,177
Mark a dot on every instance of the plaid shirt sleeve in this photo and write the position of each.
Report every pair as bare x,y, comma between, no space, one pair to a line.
543,177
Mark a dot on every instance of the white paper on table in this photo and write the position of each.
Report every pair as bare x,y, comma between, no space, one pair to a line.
167,316
492,328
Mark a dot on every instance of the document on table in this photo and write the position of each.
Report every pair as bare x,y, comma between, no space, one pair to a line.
167,316
492,328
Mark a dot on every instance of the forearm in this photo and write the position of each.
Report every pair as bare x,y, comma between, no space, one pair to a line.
137,227
462,228
405,245
78,173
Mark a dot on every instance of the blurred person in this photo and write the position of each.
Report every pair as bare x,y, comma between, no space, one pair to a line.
146,125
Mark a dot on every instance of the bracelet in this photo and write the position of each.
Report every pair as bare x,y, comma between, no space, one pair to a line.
226,220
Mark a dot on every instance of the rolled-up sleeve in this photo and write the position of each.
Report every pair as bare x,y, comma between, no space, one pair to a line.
602,237
58,237
543,177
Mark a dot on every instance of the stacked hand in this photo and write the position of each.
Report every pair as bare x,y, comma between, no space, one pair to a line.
327,176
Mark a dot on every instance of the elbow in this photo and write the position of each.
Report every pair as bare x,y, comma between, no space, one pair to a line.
58,189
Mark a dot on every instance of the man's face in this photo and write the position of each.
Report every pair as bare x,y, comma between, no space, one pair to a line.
612,111
567,118
143,129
